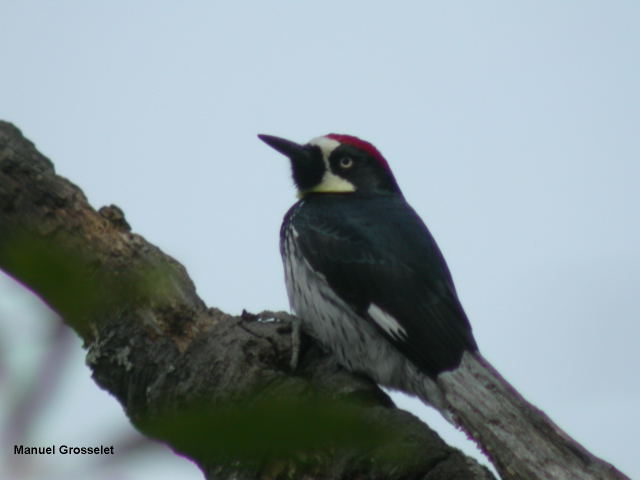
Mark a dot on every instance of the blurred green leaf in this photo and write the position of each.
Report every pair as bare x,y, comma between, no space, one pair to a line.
53,272
76,285
276,427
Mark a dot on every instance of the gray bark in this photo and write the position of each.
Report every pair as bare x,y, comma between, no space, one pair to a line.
521,440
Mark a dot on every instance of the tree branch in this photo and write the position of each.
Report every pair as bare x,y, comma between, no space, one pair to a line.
217,388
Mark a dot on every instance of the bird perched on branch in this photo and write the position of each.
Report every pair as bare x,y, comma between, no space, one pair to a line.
363,273
368,281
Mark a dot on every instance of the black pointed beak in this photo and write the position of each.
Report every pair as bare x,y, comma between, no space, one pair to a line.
307,165
291,149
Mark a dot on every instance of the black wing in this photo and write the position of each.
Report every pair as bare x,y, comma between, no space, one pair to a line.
376,250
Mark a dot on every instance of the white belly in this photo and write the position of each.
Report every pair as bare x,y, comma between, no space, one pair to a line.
357,344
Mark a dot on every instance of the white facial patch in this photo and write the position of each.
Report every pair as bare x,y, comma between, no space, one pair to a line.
386,321
327,146
330,182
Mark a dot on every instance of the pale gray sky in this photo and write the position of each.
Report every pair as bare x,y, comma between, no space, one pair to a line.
512,127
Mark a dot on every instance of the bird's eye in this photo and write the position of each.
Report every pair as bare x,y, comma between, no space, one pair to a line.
346,162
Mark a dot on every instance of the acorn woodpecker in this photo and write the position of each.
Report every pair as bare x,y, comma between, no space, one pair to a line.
367,280
362,271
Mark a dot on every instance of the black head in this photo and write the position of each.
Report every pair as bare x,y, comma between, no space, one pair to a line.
336,164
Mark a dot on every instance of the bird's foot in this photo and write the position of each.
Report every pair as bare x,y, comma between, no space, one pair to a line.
296,338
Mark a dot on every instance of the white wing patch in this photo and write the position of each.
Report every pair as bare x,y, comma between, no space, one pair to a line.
386,321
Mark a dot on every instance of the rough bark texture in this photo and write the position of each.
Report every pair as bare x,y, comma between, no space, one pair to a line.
194,376
521,440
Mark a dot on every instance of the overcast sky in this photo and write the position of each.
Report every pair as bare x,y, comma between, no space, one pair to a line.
512,128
